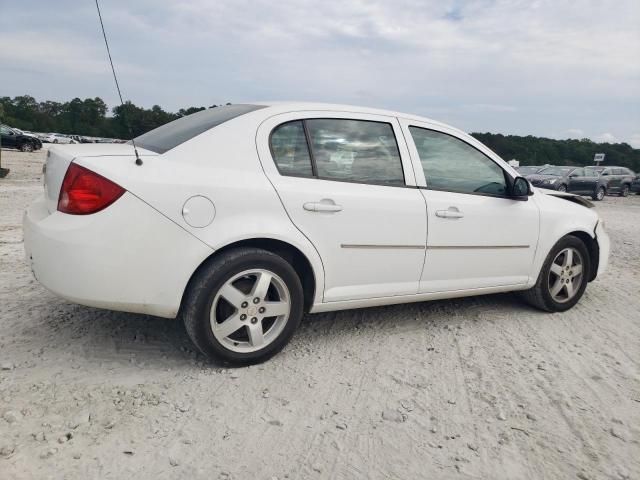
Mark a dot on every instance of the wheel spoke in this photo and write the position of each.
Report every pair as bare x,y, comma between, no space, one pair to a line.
261,287
232,295
256,337
555,268
570,289
275,309
568,258
576,270
229,326
557,287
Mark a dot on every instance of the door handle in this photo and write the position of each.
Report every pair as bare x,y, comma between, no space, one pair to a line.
324,205
451,212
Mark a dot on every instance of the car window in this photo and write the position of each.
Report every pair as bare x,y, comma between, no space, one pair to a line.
355,151
452,165
556,171
578,172
590,172
290,151
618,171
172,134
5,130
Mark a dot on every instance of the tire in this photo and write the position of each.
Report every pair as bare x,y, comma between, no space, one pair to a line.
625,191
599,194
55,141
541,296
26,147
562,188
233,276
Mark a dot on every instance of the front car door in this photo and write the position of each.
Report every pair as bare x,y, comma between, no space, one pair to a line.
477,236
347,184
575,181
8,137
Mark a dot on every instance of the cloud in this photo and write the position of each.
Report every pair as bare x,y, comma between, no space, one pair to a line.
514,66
606,137
575,133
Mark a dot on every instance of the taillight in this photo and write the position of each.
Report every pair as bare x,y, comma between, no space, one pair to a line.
84,192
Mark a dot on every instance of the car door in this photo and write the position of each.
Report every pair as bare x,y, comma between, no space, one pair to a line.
347,184
8,137
591,181
575,181
478,237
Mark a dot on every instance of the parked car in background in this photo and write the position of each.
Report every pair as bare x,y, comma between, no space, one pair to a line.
616,179
525,170
14,138
58,138
273,211
578,180
635,185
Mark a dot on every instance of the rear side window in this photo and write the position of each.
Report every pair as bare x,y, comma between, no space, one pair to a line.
290,151
358,151
172,134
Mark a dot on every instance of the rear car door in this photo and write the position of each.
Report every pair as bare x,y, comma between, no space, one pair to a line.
478,237
347,184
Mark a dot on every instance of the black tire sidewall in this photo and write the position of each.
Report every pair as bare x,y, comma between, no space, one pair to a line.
568,241
562,188
215,276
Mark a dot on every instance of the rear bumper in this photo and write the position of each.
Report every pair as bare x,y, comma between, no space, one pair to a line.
127,257
604,246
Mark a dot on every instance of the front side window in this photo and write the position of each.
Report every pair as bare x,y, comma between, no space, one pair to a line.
578,172
356,151
452,165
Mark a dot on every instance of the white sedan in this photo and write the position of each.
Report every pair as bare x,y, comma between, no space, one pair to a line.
240,219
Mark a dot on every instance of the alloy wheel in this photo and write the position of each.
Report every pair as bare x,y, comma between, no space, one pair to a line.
562,188
250,310
566,275
600,194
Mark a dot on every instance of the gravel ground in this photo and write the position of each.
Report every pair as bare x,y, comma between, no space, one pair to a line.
481,387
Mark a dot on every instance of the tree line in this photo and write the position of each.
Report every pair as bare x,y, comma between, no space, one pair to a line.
90,117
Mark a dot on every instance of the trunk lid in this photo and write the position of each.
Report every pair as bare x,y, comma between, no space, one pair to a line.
60,156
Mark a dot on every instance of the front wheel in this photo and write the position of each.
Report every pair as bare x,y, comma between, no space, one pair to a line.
625,191
26,147
243,306
563,277
599,194
562,188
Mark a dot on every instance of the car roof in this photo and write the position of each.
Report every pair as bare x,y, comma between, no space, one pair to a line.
273,108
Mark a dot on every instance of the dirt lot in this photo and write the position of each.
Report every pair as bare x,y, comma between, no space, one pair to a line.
481,387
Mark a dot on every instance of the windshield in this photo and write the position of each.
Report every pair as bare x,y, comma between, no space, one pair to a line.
174,133
527,170
556,171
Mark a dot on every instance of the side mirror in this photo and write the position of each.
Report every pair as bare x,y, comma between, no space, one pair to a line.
520,189
604,173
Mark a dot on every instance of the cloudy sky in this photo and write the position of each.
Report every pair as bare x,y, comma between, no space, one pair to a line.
556,68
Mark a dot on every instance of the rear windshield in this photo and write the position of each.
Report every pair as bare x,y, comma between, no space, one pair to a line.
174,133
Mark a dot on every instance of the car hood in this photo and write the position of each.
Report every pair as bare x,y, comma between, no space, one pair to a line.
567,196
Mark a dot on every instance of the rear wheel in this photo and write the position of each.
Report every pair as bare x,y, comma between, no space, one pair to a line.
244,306
625,191
562,188
599,194
563,277
26,147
